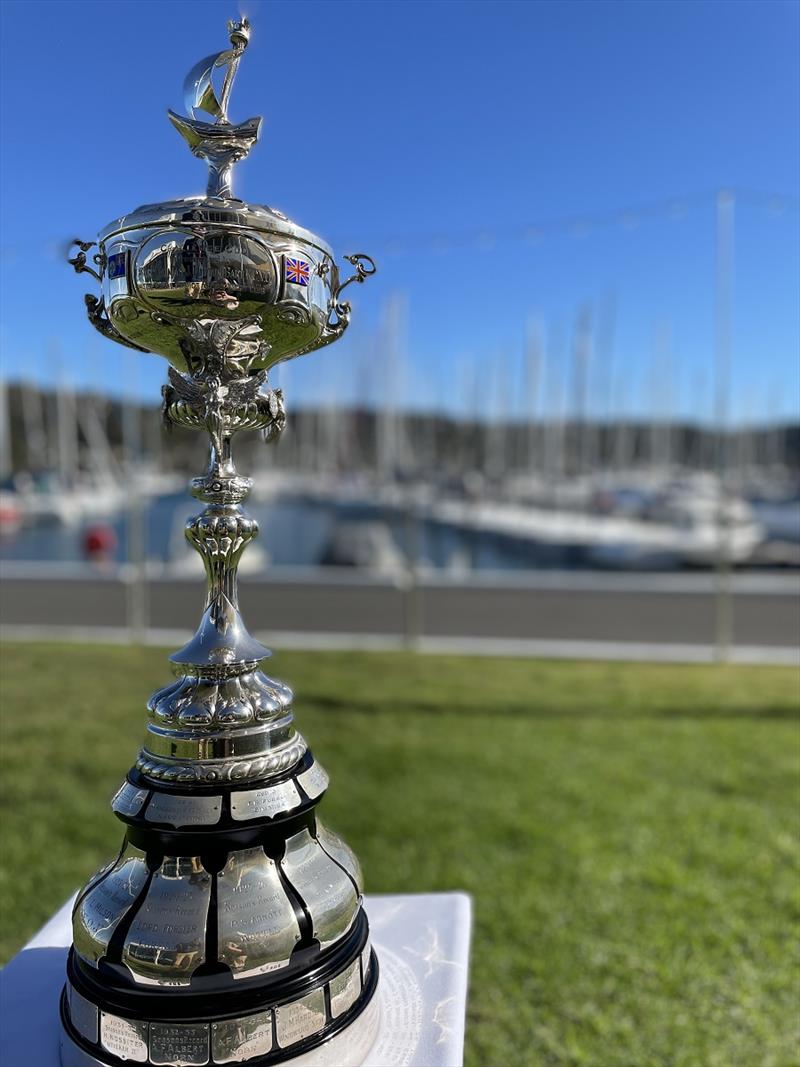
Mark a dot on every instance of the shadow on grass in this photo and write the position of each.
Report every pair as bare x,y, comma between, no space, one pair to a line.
771,713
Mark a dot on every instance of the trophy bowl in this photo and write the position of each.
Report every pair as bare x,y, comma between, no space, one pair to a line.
166,265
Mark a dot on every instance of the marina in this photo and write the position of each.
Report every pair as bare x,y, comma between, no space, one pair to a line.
310,521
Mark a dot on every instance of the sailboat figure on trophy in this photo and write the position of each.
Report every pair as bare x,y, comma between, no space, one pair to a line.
220,143
230,927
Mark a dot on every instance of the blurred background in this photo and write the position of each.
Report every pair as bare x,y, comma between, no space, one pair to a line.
573,386
563,427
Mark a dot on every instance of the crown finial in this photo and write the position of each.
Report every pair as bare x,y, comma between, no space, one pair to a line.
239,31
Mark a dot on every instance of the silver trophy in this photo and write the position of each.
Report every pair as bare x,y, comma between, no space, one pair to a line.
230,927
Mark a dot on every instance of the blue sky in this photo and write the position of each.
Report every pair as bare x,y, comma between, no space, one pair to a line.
496,158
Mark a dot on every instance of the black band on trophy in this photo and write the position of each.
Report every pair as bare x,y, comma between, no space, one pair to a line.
262,1037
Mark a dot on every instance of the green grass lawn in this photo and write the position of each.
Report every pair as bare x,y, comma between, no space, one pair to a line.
629,833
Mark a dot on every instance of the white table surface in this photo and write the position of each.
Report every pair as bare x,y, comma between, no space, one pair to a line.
422,941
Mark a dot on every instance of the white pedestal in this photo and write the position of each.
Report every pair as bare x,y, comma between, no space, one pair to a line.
422,941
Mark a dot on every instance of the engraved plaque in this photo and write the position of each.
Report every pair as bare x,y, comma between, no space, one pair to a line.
256,923
326,890
97,877
179,1044
345,988
366,957
101,909
300,1019
184,811
125,1038
166,941
264,803
84,1015
314,780
341,853
242,1039
129,799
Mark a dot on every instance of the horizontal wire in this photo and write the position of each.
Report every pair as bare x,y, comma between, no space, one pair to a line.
576,225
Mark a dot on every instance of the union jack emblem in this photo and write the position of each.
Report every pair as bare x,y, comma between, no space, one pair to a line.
297,271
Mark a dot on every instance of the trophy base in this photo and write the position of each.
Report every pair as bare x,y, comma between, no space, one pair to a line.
225,931
343,1042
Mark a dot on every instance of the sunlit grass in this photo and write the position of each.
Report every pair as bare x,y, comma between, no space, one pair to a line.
628,832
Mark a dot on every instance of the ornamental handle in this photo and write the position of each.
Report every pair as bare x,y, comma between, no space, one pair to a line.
95,306
79,261
339,315
365,267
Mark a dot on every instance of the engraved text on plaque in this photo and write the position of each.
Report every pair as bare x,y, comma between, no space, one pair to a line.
301,1019
126,1038
257,925
166,941
326,890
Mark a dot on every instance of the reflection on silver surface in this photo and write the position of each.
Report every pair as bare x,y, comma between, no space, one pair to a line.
345,988
237,1040
240,755
350,1047
125,1038
264,803
180,274
99,874
342,853
179,1045
101,909
257,926
166,941
300,1019
84,1015
189,274
366,958
179,270
184,811
221,536
128,800
326,890
314,780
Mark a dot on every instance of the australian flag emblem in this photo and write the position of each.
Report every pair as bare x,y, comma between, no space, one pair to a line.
297,271
116,265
